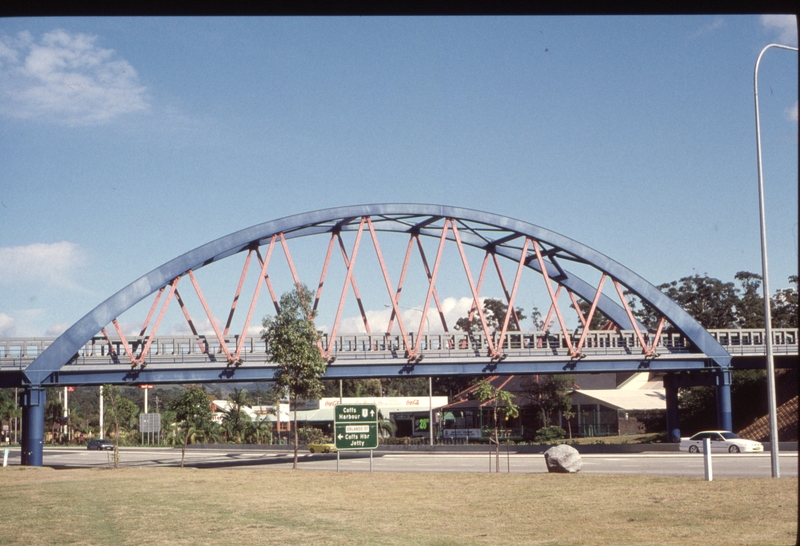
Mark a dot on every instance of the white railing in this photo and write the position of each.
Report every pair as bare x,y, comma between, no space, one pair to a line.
19,352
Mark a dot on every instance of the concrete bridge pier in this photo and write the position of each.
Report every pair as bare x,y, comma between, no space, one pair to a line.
33,403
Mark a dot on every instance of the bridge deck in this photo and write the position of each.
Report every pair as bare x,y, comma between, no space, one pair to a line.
384,355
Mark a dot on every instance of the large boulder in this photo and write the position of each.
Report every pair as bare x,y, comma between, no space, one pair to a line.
563,458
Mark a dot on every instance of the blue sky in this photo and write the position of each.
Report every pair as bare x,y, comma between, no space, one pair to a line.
125,142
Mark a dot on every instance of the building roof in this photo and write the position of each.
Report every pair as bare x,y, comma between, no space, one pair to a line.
641,399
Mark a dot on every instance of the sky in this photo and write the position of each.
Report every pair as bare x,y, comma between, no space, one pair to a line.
125,142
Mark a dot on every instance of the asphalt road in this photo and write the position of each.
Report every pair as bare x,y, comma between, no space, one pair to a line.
654,464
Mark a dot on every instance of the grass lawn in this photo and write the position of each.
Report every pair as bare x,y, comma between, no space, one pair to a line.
284,507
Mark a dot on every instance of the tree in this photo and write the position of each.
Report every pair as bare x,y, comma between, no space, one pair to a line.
715,304
193,413
598,318
710,301
750,307
548,395
569,414
258,431
386,427
234,420
8,410
292,343
501,402
111,394
494,311
784,306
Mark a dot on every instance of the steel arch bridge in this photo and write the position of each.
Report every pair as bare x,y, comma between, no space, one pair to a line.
576,281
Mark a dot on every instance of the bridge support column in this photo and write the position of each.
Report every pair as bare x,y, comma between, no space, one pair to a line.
33,402
724,412
673,424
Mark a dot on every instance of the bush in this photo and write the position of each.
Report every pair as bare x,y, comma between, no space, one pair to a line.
549,434
310,435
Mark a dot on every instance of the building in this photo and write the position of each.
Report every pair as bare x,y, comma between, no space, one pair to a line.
602,405
410,414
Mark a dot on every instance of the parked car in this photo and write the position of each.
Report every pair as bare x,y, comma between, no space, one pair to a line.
721,441
322,448
100,444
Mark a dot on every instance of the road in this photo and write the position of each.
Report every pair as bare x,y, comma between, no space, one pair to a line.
654,464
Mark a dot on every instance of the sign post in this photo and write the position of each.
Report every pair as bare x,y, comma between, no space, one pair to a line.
355,427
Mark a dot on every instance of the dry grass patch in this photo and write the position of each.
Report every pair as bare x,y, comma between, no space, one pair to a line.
256,506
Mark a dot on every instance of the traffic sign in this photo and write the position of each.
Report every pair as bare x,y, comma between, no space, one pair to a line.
356,426
362,436
356,413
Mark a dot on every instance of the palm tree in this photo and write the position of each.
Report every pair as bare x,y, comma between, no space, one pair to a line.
258,430
386,427
199,432
235,420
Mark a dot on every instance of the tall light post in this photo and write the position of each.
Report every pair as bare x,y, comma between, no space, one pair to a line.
773,419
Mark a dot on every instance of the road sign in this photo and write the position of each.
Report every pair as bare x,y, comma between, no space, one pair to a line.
356,413
362,436
150,422
356,426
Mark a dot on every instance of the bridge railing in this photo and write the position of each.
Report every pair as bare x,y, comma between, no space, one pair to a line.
20,352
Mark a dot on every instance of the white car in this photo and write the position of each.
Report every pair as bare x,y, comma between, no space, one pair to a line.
721,441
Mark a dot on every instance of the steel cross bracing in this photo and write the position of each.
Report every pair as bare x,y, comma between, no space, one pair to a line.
528,248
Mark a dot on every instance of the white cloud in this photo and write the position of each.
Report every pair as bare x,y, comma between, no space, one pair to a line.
7,326
55,330
784,25
717,23
791,113
52,264
452,308
66,78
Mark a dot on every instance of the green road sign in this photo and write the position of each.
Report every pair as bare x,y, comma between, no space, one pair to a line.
361,436
356,413
356,426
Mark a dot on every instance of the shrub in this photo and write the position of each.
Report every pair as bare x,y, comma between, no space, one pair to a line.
549,434
310,435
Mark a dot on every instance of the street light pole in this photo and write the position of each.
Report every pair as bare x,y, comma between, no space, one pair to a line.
773,419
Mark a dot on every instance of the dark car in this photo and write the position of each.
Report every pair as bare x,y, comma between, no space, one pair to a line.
100,444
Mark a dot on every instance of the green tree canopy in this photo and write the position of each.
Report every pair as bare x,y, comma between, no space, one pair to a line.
494,311
193,412
292,343
501,402
784,306
548,395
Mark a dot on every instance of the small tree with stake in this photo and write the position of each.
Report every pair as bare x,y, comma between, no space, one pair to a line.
501,402
193,412
292,341
112,394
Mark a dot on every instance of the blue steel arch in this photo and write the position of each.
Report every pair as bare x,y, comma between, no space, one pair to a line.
403,215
